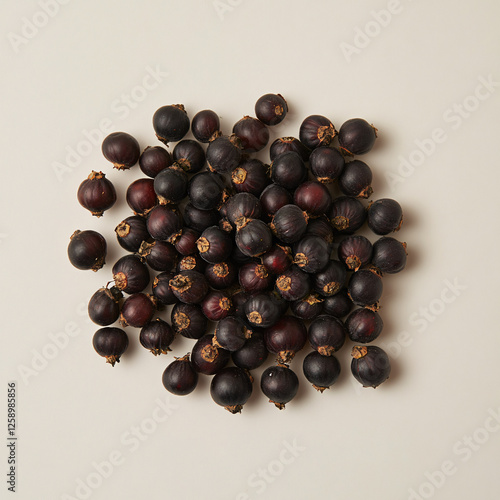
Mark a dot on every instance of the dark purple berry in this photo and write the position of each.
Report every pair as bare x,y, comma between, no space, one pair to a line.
179,377
289,223
207,358
285,144
104,306
239,299
188,320
338,305
171,123
316,130
121,149
286,337
171,185
326,164
365,287
278,259
273,198
159,255
185,244
250,177
370,365
357,136
293,284
313,197
221,275
131,232
271,109
164,223
262,310
279,384
308,307
191,263
326,334
130,274
321,371
242,205
253,277
96,193
205,190
356,179
189,155
87,250
198,219
216,305
253,134
110,343
205,125
355,251
214,245
231,388
137,310
311,254
231,333
331,279
288,170
389,255
321,227
363,325
385,216
156,336
253,353
161,289
224,154
189,286
347,214
153,160
253,237
141,196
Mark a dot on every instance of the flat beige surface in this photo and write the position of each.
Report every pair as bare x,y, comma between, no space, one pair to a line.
427,75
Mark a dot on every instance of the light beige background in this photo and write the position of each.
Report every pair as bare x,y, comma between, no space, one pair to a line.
429,432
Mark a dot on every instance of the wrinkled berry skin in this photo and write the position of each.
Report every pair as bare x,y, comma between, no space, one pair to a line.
347,214
223,154
289,223
96,193
370,365
189,155
207,358
189,320
262,311
355,251
254,238
316,130
156,336
357,136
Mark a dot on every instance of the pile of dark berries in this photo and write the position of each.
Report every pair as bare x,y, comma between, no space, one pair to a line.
268,253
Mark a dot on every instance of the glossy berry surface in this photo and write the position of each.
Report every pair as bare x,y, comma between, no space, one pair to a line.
153,160
253,134
137,310
207,358
253,237
321,371
171,185
289,223
231,333
385,216
293,284
347,214
252,354
121,149
110,343
365,287
250,176
131,232
285,144
356,179
389,255
261,310
224,154
271,109
326,334
288,170
370,365
159,255
311,253
188,320
355,251
189,155
286,337
279,384
338,305
214,245
331,279
205,125
179,377
164,223
231,388
357,136
273,198
141,196
171,123
156,336
87,250
205,190
326,164
363,325
313,197
189,287
104,306
316,130
130,274
96,193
